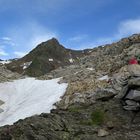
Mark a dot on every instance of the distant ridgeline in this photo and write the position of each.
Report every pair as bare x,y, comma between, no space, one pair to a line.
51,55
45,57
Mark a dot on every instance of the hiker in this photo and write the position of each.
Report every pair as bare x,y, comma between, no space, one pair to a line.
133,61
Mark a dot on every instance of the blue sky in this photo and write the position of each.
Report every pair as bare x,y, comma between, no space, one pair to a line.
77,24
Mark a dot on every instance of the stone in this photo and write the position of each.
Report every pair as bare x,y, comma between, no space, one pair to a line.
1,102
104,94
102,133
1,110
7,75
133,95
110,125
134,82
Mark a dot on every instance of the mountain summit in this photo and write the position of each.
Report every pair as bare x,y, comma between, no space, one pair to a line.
45,57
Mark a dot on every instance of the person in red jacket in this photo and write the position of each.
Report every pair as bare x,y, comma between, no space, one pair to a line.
133,61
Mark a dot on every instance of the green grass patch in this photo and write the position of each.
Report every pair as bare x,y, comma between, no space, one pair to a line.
75,109
98,117
78,108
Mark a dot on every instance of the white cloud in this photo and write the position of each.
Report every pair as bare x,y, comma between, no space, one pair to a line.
28,36
20,54
124,29
77,38
129,27
40,37
3,53
7,41
6,38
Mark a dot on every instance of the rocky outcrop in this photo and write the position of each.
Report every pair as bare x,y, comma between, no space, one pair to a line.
79,121
51,55
7,75
45,57
105,60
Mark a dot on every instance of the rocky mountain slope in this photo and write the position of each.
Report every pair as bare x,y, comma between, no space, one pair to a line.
99,121
45,57
89,110
7,75
104,60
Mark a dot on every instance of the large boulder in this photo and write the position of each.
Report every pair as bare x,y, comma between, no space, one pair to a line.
131,95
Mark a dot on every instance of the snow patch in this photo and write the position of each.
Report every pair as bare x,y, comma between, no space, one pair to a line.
76,73
104,78
5,62
26,97
90,69
50,59
26,65
71,60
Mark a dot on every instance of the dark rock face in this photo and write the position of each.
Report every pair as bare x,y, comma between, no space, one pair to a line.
78,122
7,75
105,60
50,55
45,57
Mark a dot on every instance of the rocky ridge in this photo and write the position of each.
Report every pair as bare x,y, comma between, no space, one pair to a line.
100,121
89,109
46,57
105,60
7,75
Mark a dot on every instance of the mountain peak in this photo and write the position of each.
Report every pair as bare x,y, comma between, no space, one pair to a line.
46,57
53,40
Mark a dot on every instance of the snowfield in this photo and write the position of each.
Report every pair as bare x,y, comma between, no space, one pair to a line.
26,97
5,62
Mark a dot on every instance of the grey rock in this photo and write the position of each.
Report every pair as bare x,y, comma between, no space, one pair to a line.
102,133
7,75
133,95
104,94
